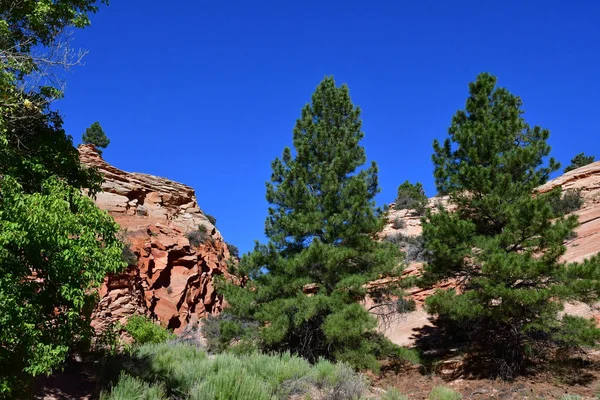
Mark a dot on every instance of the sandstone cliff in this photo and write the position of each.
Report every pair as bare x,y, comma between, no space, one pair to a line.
171,280
584,245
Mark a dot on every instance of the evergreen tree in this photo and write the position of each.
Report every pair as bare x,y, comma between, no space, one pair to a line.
579,161
322,225
411,197
501,243
95,135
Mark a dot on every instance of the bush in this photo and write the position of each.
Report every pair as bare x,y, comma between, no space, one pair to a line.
570,201
191,374
443,393
129,388
211,219
127,255
221,330
393,394
143,330
571,397
411,197
233,250
198,236
413,246
399,223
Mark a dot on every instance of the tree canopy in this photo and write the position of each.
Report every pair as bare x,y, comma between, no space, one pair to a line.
322,222
579,161
95,135
501,243
55,244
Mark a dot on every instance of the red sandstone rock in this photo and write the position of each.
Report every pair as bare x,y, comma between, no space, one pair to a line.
172,280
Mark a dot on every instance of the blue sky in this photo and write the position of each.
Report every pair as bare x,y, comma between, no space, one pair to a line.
207,93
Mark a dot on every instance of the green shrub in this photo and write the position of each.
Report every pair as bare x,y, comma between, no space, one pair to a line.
233,250
413,246
189,373
221,330
211,219
130,388
399,223
393,394
443,393
198,236
571,397
570,201
143,330
411,197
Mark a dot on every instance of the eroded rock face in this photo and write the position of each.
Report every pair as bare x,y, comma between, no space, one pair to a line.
171,280
584,245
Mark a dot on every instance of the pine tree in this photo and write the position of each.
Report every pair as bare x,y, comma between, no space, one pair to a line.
579,161
411,197
95,135
501,243
306,283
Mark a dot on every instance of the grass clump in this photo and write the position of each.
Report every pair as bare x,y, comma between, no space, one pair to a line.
186,372
444,393
143,330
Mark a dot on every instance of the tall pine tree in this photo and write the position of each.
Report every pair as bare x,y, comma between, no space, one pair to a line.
501,243
321,226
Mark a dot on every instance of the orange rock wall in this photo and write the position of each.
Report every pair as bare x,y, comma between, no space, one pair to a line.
172,280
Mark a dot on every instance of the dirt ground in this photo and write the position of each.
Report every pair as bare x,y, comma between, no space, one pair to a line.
582,379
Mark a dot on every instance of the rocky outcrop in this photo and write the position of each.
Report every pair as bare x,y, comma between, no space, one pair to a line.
586,244
168,278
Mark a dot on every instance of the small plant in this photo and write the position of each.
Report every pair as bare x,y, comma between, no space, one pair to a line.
127,254
198,236
571,397
443,393
233,250
349,385
211,219
570,201
143,330
411,197
413,246
399,223
109,341
221,330
130,388
393,394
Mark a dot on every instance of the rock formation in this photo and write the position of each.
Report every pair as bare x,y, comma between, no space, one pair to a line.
168,279
584,245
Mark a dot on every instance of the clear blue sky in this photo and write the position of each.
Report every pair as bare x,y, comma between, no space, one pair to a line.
207,93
